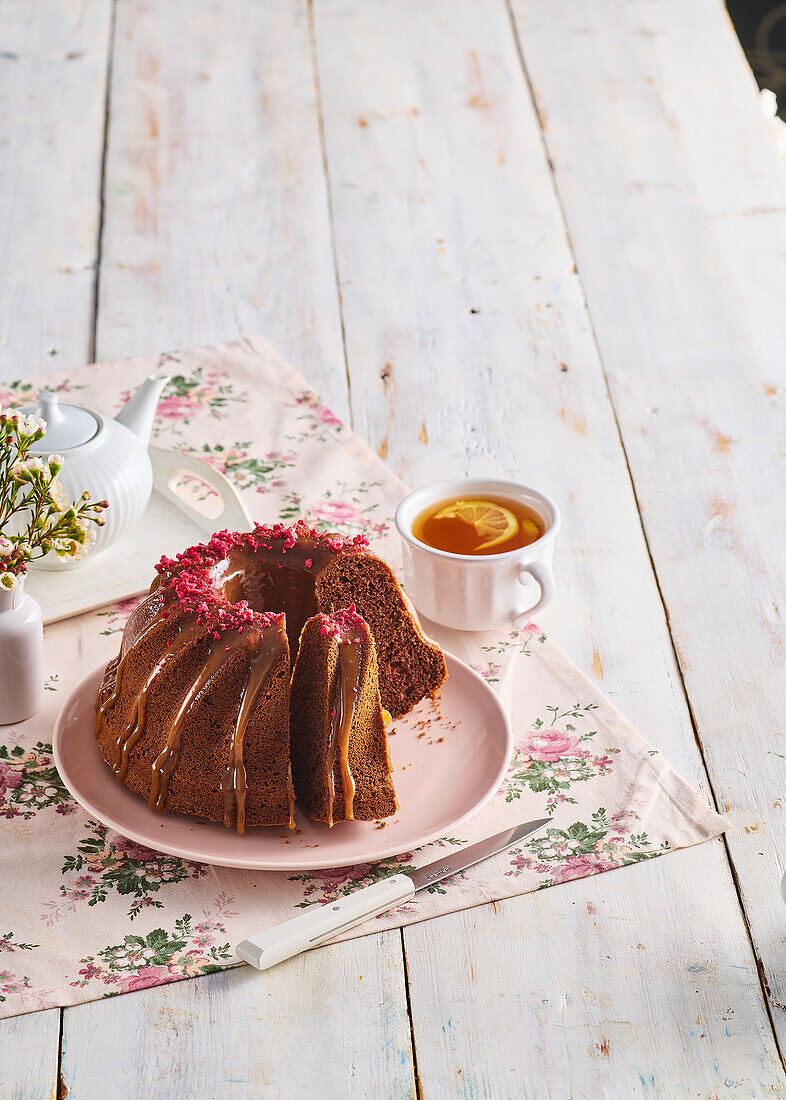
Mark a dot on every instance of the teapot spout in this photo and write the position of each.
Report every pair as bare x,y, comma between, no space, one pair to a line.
138,412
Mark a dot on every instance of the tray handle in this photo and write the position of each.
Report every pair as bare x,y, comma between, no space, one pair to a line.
166,467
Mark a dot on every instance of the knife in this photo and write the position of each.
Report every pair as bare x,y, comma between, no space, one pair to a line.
323,922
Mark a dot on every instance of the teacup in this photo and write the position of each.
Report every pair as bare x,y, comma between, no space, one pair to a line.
480,592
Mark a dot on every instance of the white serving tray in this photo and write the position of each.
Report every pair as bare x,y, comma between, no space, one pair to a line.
170,523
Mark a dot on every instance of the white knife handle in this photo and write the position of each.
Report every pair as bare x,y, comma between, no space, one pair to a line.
323,922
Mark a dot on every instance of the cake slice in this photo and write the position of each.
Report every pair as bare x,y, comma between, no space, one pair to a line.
340,762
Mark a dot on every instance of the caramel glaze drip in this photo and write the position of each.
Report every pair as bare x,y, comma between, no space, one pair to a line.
128,737
233,781
117,665
342,715
233,784
263,651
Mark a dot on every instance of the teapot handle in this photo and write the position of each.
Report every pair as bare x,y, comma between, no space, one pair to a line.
168,465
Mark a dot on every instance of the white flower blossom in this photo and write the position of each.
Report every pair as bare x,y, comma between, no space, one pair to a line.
7,580
58,495
29,425
86,525
80,552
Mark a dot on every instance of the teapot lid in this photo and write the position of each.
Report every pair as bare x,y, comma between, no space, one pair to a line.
67,426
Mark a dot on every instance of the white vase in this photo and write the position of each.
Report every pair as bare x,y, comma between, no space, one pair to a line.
21,655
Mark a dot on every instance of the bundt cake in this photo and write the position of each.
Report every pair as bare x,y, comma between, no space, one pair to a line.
195,712
339,748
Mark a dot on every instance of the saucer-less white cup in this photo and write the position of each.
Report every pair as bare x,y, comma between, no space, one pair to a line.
486,591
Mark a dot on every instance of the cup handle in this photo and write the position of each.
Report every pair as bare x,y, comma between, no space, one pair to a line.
545,578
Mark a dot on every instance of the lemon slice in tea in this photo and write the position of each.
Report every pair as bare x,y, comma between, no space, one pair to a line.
492,523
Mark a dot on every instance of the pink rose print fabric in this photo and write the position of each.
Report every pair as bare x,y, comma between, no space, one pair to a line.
86,913
549,746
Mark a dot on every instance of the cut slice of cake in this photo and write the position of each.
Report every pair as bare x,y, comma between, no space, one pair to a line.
340,761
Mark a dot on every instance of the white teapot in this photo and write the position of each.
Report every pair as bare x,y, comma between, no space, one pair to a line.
108,457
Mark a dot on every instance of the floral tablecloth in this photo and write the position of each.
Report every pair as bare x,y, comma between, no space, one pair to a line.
85,913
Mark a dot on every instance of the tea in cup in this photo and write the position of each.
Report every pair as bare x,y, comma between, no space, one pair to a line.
478,553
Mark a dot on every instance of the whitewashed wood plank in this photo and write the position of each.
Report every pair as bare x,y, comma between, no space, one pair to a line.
28,1055
470,350
53,62
216,222
538,1035
329,1023
683,258
53,65
216,227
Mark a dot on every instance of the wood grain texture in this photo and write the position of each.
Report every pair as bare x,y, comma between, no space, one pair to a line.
470,348
682,260
329,1023
559,994
53,61
216,226
466,327
216,222
28,1055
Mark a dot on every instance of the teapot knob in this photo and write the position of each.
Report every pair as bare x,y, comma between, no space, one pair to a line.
49,407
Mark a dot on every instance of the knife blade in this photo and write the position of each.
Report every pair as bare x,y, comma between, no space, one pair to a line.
323,922
468,857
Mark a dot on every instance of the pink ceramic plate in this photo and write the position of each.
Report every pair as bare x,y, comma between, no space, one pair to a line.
439,784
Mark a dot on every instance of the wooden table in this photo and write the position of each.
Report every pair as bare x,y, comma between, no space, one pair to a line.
545,240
